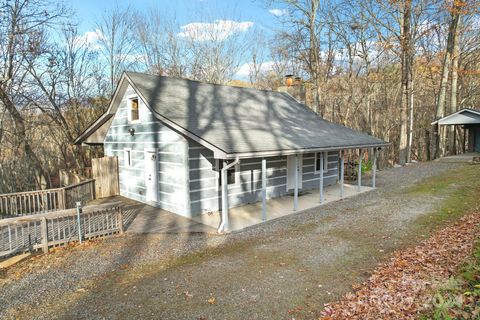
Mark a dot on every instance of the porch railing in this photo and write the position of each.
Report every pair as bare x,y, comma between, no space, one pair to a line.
42,231
42,201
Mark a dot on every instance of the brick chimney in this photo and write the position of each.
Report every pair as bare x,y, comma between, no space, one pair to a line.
295,87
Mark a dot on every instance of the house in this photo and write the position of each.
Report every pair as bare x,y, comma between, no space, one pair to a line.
469,119
191,147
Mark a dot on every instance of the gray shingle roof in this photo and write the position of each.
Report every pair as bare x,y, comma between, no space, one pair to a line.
244,120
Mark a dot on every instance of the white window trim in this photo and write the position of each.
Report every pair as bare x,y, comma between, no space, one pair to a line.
129,108
127,164
325,162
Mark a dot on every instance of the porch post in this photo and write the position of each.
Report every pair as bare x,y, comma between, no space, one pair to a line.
295,194
374,167
360,158
224,197
342,173
264,189
321,177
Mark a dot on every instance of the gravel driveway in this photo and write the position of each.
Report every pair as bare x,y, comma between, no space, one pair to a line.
283,269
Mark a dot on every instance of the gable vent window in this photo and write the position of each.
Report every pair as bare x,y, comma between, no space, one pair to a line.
134,115
317,161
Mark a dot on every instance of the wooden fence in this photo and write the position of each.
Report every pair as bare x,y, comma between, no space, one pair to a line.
42,231
74,176
105,173
42,201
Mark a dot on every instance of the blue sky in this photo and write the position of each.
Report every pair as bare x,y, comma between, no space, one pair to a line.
186,11
257,15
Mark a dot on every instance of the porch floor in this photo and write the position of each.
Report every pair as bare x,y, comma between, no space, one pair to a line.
251,214
142,218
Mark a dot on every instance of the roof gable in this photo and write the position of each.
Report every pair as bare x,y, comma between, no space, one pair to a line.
461,117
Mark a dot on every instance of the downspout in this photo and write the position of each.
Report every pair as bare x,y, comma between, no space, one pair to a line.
224,223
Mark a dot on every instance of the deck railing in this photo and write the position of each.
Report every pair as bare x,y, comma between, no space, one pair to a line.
42,231
43,201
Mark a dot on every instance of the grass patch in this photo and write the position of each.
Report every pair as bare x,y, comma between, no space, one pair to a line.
459,189
459,297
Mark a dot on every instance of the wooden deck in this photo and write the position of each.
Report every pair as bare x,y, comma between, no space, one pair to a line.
140,218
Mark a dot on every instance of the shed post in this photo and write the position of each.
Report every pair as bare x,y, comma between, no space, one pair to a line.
321,177
360,158
264,189
224,198
295,194
342,173
374,168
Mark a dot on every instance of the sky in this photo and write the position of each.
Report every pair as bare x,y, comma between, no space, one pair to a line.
246,15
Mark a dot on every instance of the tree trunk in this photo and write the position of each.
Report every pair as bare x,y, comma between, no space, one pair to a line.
411,122
454,84
22,138
406,81
440,112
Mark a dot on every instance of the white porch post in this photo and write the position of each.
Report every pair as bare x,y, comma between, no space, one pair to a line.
264,189
295,194
321,177
342,175
360,159
374,167
224,198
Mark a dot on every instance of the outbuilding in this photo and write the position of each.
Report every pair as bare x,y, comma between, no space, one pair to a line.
191,147
469,120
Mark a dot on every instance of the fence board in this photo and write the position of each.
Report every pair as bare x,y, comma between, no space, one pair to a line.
42,231
41,201
105,173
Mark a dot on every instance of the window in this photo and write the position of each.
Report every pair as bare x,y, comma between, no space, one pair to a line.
317,161
127,157
230,173
134,115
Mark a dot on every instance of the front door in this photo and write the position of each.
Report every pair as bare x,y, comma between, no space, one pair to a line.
151,177
291,172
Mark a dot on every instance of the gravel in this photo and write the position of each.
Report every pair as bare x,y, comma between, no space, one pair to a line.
280,269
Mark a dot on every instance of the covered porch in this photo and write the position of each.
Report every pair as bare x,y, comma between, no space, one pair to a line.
236,218
248,215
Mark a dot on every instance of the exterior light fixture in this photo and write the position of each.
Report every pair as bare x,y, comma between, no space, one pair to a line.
132,131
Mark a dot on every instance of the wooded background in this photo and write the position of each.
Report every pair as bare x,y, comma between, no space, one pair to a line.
388,68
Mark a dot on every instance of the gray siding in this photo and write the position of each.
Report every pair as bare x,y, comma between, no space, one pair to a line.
205,195
172,157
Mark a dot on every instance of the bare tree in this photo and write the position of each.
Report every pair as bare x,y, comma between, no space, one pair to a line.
23,29
115,36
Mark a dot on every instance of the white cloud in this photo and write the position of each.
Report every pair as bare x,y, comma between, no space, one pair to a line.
278,12
243,72
90,39
213,31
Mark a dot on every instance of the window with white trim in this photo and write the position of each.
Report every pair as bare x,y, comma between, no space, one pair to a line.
127,158
133,109
231,173
317,162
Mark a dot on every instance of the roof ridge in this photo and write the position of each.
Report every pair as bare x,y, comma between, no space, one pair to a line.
202,82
